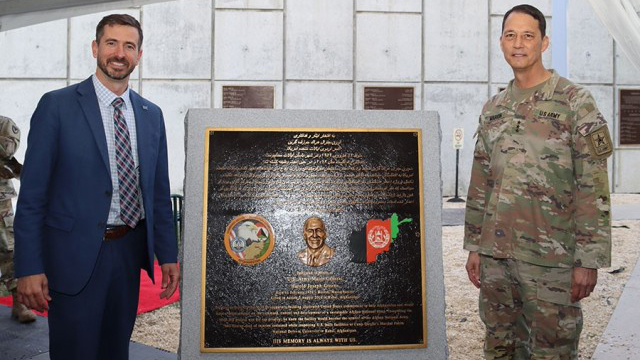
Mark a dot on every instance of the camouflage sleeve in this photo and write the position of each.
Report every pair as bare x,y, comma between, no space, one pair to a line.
9,138
591,147
476,196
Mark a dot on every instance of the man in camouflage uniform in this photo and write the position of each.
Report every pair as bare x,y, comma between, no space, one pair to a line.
537,223
9,169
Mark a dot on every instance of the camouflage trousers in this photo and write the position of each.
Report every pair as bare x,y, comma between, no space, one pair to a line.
527,311
7,281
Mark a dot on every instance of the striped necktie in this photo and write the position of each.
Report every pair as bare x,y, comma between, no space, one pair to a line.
127,175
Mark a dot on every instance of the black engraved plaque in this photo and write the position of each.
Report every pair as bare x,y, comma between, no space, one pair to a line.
629,117
388,98
257,97
313,240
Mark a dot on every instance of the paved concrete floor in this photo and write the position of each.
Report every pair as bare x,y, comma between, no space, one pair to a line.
31,341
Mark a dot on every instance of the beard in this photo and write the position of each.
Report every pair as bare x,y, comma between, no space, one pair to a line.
115,75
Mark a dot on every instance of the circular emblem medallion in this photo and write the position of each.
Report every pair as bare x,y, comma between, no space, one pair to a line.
249,239
378,237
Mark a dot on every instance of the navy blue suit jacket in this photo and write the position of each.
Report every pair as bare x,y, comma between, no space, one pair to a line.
65,191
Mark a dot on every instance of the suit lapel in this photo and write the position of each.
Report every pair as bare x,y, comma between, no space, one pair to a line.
89,103
143,129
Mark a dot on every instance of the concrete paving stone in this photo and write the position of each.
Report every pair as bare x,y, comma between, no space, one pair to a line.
625,211
22,341
620,338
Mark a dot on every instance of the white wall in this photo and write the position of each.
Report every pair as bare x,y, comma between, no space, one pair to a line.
318,54
595,61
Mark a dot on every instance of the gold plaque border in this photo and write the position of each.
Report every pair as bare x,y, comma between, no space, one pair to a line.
208,131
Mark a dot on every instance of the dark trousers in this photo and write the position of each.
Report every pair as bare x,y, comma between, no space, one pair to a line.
97,323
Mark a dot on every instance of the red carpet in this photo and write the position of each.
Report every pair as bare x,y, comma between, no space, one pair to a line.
149,293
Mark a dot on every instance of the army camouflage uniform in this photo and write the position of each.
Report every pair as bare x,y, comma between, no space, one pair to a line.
538,205
9,141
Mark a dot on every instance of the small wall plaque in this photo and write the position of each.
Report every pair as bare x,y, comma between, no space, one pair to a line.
257,97
388,98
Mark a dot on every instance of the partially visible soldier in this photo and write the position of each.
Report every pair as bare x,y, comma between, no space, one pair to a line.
537,223
9,169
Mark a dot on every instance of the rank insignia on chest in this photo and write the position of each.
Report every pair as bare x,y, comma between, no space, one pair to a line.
600,142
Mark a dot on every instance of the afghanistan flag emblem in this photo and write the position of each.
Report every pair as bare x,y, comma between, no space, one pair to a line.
375,239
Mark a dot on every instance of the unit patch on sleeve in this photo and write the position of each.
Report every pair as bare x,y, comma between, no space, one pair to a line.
599,142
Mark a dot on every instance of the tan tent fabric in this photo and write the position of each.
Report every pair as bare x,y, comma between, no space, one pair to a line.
622,18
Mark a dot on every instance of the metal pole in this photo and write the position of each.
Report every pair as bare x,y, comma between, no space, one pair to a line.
456,198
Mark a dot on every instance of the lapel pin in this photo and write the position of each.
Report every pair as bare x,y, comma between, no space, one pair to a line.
145,107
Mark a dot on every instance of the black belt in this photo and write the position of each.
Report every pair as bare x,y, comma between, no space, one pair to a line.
115,231
112,232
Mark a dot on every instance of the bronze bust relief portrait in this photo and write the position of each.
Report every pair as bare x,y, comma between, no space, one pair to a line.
317,252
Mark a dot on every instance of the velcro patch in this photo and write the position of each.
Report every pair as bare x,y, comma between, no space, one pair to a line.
492,117
550,114
586,109
599,142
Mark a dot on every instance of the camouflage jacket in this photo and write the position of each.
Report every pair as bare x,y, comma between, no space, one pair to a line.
9,142
539,187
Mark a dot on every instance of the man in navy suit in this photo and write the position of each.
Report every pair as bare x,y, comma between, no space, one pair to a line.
94,205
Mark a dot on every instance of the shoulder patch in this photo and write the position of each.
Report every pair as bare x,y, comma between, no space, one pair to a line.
586,110
492,117
599,141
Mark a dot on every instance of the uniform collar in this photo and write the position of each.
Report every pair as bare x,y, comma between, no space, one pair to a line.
546,93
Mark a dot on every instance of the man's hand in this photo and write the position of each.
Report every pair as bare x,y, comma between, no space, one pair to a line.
473,268
10,168
583,281
15,166
33,291
6,172
170,279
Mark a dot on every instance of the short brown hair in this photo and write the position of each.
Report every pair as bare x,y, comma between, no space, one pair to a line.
118,19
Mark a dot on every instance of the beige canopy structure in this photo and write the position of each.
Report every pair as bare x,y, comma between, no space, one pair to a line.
19,13
622,18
